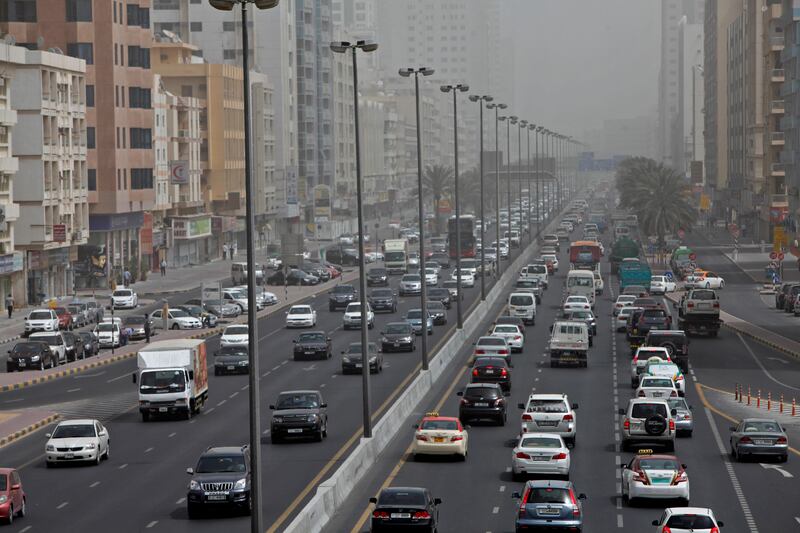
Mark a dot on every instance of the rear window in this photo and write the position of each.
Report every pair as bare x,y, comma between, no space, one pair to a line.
521,300
655,313
547,406
659,382
548,495
703,295
401,498
540,442
659,338
690,522
484,392
646,410
490,361
445,425
489,341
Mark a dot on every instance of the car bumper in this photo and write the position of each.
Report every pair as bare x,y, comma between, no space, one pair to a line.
232,498
352,323
684,425
659,491
5,509
480,412
382,306
397,346
23,364
547,524
378,526
410,290
417,328
311,354
72,457
299,323
294,430
439,448
335,304
356,367
524,466
532,427
753,449
237,368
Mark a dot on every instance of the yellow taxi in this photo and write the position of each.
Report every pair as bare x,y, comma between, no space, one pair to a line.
440,435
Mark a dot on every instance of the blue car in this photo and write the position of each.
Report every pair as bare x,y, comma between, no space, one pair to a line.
549,504
414,317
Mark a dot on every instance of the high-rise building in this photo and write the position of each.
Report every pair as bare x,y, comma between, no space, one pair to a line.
687,130
114,39
775,210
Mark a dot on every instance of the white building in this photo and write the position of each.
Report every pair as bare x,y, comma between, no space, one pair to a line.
344,189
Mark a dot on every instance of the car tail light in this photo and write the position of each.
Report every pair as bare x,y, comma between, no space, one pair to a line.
666,529
464,401
380,514
781,440
527,418
503,352
455,438
479,352
524,502
504,372
421,515
679,378
716,305
673,394
576,512
687,416
672,424
641,321
626,424
714,529
523,455
745,440
559,456
641,394
422,437
475,372
689,304
517,337
680,478
639,475
568,418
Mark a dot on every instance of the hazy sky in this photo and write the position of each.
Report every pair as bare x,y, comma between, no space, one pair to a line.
579,62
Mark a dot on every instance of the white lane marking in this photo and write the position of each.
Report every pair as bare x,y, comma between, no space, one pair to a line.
234,395
495,510
150,449
333,376
84,376
783,472
737,488
127,375
797,519
502,488
24,529
284,362
322,386
244,388
276,367
620,523
122,467
74,390
221,403
265,432
208,411
619,503
270,334
508,469
93,485
171,435
778,360
761,365
265,374
310,368
180,501
62,505
151,524
14,401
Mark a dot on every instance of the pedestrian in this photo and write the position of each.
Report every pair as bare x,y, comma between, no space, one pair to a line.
225,251
163,267
147,328
234,250
127,277
9,304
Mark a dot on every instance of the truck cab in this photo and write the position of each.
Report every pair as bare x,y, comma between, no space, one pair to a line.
395,255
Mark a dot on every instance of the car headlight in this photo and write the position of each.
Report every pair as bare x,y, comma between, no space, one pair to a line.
278,419
34,358
50,448
240,484
91,446
312,418
194,485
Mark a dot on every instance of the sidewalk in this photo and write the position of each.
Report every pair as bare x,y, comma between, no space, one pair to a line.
16,424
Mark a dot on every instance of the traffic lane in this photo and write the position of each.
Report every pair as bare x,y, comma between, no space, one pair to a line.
716,260
747,304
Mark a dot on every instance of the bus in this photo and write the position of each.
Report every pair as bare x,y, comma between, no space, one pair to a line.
584,254
463,232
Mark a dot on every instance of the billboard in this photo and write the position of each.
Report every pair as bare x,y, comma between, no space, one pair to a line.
179,172
322,203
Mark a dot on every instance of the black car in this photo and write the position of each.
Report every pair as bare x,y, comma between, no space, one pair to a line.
513,320
405,509
341,256
91,346
675,341
442,259
439,294
317,270
437,311
482,401
231,360
653,318
136,325
220,480
73,345
31,355
340,296
299,413
377,276
487,369
397,337
312,345
382,300
352,360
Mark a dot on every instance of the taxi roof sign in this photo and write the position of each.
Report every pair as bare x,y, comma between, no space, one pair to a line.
432,413
645,451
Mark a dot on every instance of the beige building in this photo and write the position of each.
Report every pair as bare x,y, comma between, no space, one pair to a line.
51,183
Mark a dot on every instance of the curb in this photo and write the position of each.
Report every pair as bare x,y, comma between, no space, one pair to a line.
11,339
27,430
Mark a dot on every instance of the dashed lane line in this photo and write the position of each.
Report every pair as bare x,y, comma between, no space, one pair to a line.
151,524
93,485
62,505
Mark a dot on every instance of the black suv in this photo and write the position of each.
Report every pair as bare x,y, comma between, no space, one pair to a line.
299,413
91,346
675,341
31,355
482,401
378,276
340,296
73,346
383,300
231,360
221,479
312,345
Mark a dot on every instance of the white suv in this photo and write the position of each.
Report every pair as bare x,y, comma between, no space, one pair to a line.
352,316
550,413
41,320
649,421
55,340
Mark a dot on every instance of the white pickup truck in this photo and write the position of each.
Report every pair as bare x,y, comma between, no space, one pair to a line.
569,343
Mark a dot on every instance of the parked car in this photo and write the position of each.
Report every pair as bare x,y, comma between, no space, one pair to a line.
31,355
124,298
55,340
65,320
73,346
136,324
295,277
80,314
91,346
209,320
95,311
41,320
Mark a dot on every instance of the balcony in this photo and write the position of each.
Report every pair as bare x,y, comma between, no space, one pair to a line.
777,75
778,169
777,138
776,43
779,200
777,107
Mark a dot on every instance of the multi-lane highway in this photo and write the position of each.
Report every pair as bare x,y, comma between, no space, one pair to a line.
477,493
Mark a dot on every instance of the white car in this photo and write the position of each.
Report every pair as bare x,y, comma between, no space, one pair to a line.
552,258
410,284
655,477
352,316
236,297
540,453
576,303
661,285
77,440
234,335
550,413
656,387
124,298
688,520
372,257
623,300
440,435
664,369
41,320
704,280
599,284
512,335
55,340
413,259
642,357
467,278
108,334
176,319
621,320
431,277
301,316
264,298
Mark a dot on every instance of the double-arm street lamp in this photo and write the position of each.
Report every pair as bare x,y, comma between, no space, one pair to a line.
257,515
480,100
531,127
497,107
523,124
342,47
455,89
539,201
406,72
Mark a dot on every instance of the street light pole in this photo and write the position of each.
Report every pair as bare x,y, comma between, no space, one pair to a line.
522,125
530,173
497,108
480,100
460,323
341,48
406,72
538,183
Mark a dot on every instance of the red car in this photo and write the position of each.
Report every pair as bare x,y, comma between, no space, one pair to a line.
64,318
12,497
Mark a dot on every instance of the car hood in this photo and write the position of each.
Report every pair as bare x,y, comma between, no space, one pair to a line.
72,442
286,412
234,338
396,336
342,297
222,477
26,356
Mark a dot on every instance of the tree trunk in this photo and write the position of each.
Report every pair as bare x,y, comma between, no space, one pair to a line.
436,216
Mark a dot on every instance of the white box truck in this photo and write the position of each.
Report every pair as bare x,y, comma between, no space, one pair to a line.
395,255
172,378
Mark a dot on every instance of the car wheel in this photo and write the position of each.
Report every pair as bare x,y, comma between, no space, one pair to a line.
318,436
98,458
10,518
107,455
175,326
41,366
192,511
24,509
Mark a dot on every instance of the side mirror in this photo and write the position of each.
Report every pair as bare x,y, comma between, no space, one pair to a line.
691,407
460,393
133,378
190,471
521,405
437,501
721,524
415,426
272,407
654,522
373,500
732,428
342,352
581,496
48,435
328,339
574,406
516,495
551,329
323,405
620,411
684,466
191,374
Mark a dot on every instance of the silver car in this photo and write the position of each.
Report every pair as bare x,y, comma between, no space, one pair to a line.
410,284
759,437
684,421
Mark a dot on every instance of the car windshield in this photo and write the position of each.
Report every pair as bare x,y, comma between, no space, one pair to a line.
547,406
343,289
761,426
656,382
52,340
414,314
548,495
305,310
490,361
107,326
311,337
690,522
663,369
577,300
354,308
232,350
74,309
236,330
178,313
540,442
646,410
678,403
703,295
397,328
134,319
166,380
298,401
378,271
442,425
435,306
39,315
213,302
521,299
74,431
382,293
211,464
399,498
506,329
123,293
411,277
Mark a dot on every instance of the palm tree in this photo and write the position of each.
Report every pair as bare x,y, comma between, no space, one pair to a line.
437,181
657,194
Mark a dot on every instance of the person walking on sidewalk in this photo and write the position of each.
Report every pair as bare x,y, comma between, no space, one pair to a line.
9,304
224,251
163,267
127,277
147,328
234,249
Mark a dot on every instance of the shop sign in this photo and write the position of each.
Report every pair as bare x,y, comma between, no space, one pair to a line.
10,263
59,233
191,228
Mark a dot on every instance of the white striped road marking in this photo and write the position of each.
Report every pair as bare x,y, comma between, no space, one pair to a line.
284,362
84,376
276,367
310,368
180,501
127,375
737,488
150,449
221,403
783,472
265,374
495,510
619,521
24,529
244,388
74,390
333,376
171,435
265,432
234,395
502,488
151,524
62,505
619,503
208,411
14,401
93,485
123,466
322,386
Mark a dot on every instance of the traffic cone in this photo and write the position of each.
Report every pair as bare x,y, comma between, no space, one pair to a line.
780,407
758,399
748,395
769,401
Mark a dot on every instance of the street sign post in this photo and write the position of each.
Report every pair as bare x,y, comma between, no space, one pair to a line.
669,275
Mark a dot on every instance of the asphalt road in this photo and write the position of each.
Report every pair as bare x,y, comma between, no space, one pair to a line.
143,486
477,494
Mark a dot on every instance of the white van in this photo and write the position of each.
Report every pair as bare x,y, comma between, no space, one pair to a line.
522,305
239,274
538,271
581,283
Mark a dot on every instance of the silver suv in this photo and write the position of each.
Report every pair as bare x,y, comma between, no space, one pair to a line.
650,421
550,413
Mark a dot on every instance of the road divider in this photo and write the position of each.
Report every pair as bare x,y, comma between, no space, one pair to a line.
18,425
780,406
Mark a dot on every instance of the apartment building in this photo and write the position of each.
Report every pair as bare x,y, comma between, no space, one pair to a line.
775,210
789,167
51,185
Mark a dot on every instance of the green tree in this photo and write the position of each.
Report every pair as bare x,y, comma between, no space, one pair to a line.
657,194
437,181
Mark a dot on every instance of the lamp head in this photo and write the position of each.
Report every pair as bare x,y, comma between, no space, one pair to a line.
340,47
463,88
502,118
425,71
523,123
445,88
502,106
266,4
474,98
514,117
405,72
367,46
222,5
488,98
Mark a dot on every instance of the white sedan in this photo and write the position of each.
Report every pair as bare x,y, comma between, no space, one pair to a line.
704,280
657,477
431,277
124,298
576,303
440,435
234,335
467,278
77,441
301,316
661,285
176,319
656,387
512,335
623,300
540,453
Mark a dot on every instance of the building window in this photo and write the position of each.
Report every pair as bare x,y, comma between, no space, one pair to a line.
141,178
144,17
166,4
90,140
141,138
139,98
139,57
195,26
18,11
229,54
90,96
79,10
228,26
92,179
81,50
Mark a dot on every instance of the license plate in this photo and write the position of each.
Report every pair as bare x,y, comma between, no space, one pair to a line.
310,352
549,511
542,458
295,430
481,404
21,363
400,515
397,344
438,439
217,497
162,409
547,423
230,367
489,372
656,395
69,456
762,442
358,365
